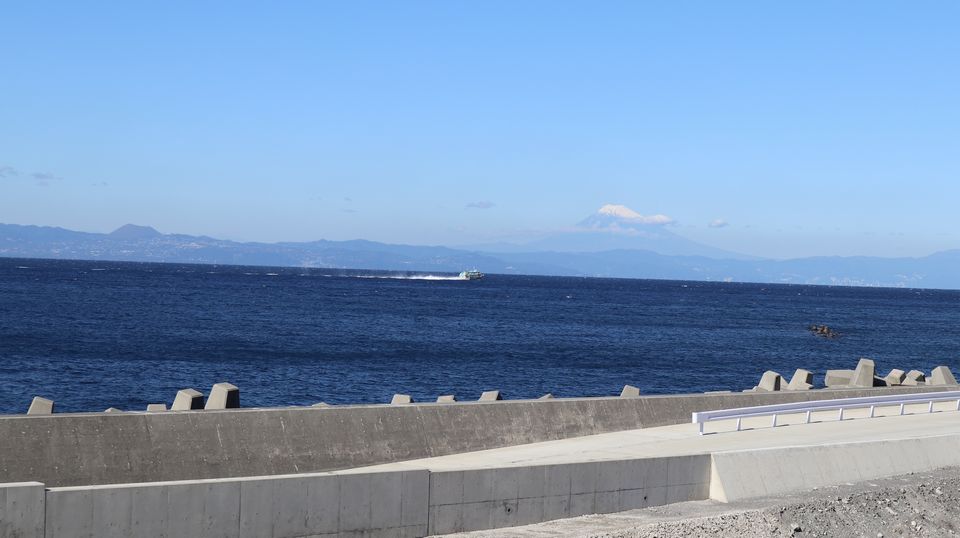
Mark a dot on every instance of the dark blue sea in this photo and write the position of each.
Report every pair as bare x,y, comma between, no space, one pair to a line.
92,335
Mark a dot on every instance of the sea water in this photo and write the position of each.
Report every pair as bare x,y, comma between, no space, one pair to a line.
92,335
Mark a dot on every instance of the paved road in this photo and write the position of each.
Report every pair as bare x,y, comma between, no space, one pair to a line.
683,439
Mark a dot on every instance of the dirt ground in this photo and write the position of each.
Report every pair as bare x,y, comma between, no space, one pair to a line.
922,504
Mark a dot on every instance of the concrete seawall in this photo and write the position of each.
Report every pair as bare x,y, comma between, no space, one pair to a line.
111,448
747,474
415,502
398,503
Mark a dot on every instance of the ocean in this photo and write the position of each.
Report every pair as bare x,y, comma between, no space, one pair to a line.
92,335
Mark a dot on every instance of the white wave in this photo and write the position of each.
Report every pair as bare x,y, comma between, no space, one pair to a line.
413,277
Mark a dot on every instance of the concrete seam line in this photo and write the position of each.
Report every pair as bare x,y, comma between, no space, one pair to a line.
44,527
429,496
240,509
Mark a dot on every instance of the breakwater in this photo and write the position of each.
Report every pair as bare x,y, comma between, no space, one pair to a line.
490,489
104,448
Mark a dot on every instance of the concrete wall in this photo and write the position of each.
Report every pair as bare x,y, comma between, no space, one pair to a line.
758,473
22,508
404,503
415,502
110,448
318,505
506,497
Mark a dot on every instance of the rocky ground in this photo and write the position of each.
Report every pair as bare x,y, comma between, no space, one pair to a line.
923,504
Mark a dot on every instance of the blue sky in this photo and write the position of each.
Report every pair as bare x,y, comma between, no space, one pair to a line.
807,127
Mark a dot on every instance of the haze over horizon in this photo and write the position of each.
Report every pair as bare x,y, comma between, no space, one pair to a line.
778,131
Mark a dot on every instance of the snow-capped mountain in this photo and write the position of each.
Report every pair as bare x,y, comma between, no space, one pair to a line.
612,217
617,227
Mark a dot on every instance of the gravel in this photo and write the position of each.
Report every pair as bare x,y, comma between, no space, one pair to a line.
919,504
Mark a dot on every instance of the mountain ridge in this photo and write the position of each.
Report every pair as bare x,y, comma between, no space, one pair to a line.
937,270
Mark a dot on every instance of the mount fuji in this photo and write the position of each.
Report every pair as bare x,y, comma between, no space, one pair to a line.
617,227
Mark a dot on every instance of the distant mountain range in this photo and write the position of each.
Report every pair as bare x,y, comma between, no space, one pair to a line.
616,227
615,242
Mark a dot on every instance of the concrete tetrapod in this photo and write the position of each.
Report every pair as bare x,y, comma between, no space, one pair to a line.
156,407
801,380
863,375
838,378
40,406
941,375
770,381
629,391
490,396
399,399
223,396
187,399
446,398
895,377
915,377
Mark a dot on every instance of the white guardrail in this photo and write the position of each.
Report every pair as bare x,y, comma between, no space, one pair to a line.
839,405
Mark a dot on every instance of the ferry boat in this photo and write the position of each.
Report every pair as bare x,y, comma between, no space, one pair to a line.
472,274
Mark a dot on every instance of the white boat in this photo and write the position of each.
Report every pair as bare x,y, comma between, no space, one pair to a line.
472,274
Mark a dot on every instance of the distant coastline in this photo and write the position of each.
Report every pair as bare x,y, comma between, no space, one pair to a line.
144,244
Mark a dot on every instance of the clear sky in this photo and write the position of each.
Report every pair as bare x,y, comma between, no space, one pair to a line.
797,128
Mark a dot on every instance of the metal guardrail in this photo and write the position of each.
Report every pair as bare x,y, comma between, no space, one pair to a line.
840,404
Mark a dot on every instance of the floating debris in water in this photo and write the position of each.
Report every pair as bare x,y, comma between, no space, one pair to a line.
824,331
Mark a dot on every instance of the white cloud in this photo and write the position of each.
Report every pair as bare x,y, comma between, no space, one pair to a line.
483,204
624,212
718,223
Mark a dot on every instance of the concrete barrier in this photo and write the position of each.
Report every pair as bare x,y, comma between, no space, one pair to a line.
22,508
320,504
111,448
758,473
509,496
400,503
407,501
